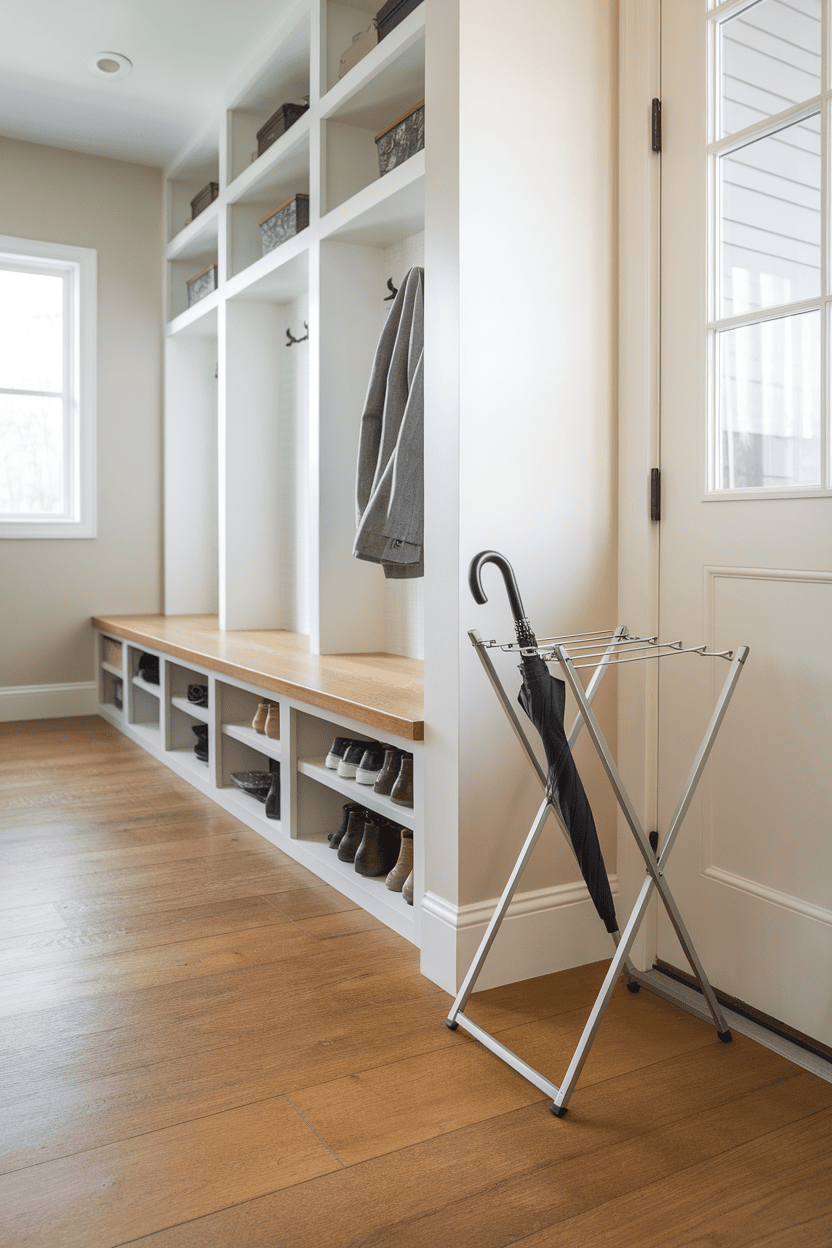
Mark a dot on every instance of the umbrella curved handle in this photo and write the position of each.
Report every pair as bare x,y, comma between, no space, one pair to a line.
521,623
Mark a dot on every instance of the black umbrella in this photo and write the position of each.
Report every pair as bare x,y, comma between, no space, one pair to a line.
543,698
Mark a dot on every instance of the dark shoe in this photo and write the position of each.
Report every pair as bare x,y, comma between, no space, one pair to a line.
273,798
379,848
402,791
389,772
407,891
255,783
404,864
200,731
337,750
353,836
351,761
369,769
335,838
149,668
198,695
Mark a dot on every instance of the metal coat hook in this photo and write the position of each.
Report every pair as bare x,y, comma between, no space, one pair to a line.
293,339
392,289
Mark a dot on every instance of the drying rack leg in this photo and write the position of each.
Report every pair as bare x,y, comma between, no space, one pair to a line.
497,917
654,866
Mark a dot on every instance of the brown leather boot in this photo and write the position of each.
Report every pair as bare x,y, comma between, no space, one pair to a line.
259,721
272,726
389,771
402,791
379,848
404,865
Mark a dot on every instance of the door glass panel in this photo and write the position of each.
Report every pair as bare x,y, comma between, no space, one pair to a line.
770,220
768,430
769,56
31,455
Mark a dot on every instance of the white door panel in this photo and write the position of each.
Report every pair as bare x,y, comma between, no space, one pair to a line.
742,411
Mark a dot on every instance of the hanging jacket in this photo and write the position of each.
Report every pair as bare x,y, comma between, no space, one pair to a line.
390,477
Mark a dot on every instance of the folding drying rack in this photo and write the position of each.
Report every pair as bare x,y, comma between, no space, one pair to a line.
600,649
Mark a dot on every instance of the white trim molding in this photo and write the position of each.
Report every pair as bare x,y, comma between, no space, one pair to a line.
771,895
20,702
545,930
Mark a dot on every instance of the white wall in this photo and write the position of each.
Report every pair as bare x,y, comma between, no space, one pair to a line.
51,588
530,423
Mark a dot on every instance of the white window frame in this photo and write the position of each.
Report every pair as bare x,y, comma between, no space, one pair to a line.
79,266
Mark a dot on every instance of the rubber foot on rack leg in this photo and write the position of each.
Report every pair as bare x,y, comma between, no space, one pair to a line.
725,1036
451,1024
633,987
558,1110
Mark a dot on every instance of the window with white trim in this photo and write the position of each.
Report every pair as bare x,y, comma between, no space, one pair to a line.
769,284
47,389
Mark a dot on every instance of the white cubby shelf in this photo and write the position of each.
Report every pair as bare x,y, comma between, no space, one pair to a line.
159,718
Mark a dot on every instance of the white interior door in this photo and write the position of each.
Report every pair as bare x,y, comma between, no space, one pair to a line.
746,529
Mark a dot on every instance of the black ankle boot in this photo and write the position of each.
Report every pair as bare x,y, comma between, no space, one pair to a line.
353,836
335,838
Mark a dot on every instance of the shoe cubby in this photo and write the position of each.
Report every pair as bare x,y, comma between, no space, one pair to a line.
237,710
314,738
112,691
237,756
144,699
182,738
179,680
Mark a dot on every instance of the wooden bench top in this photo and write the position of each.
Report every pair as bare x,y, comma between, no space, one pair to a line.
385,691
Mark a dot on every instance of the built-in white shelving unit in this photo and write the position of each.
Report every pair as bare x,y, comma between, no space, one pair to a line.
160,719
261,436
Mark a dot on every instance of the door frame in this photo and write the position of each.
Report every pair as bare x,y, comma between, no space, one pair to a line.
639,440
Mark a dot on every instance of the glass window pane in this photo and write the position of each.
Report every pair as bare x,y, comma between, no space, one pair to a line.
769,404
770,220
769,59
31,455
31,331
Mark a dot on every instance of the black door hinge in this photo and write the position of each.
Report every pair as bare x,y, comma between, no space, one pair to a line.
657,125
655,494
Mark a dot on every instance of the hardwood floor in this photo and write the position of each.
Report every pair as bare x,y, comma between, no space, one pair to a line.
203,1046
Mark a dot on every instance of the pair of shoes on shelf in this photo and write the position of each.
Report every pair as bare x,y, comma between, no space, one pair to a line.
200,731
356,760
395,779
371,842
267,720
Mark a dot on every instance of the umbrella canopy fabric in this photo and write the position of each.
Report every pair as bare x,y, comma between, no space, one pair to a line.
543,698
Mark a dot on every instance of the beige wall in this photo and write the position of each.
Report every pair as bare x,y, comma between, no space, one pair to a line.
51,588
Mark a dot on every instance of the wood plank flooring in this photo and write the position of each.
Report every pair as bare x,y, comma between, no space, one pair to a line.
203,1046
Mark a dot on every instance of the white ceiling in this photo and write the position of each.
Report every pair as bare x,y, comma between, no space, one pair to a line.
184,54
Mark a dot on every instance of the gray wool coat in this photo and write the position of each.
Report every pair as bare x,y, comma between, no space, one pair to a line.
390,478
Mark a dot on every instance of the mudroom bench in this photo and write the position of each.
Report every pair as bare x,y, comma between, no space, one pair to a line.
366,696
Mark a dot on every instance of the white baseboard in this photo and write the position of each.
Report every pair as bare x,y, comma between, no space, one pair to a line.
545,930
19,702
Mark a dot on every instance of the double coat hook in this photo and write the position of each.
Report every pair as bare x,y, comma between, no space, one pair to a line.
293,340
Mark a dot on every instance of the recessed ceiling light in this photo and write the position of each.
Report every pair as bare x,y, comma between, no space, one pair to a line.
110,65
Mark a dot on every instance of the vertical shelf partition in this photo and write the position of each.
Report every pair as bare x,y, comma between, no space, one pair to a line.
260,459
